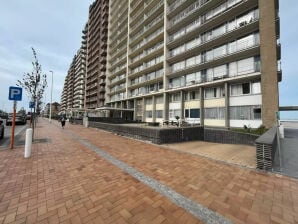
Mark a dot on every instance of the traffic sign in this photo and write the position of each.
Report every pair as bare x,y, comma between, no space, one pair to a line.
15,93
31,104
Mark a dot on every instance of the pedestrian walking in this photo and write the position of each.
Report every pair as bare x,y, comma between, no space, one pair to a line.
63,121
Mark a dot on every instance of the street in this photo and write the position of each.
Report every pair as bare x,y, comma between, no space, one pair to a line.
5,142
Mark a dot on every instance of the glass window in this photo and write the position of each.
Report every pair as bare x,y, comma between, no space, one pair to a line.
232,69
190,79
240,113
220,71
194,95
194,113
178,66
257,113
217,113
186,113
220,51
245,42
148,101
159,100
149,113
245,88
245,66
158,113
256,87
210,93
190,61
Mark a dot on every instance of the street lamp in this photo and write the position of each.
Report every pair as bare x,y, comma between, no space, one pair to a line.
50,117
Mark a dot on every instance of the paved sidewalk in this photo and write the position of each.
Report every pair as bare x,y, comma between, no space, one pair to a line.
66,181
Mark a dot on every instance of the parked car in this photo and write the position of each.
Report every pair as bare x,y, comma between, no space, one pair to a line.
1,129
20,119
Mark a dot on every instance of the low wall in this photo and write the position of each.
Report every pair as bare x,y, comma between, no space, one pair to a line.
76,121
266,146
228,137
154,135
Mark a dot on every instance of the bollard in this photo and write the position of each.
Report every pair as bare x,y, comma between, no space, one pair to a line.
28,142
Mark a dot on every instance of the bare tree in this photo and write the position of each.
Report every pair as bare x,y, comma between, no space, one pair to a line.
34,84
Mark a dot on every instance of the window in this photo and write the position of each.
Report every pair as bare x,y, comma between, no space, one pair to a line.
257,112
232,69
190,61
190,79
174,113
256,88
240,89
194,113
194,95
214,92
220,51
159,99
148,101
245,42
217,113
245,113
149,113
220,71
178,66
245,66
158,113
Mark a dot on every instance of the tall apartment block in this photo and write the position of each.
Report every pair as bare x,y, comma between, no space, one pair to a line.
74,84
213,62
96,40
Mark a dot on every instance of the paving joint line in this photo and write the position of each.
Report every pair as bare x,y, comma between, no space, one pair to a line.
194,208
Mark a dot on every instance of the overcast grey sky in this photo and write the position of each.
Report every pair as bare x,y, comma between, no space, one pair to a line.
54,28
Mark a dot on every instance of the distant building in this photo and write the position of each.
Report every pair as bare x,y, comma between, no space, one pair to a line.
55,109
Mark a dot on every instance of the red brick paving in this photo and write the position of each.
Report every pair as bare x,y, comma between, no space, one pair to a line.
65,182
240,194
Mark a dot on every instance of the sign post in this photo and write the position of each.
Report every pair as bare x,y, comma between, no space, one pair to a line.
15,94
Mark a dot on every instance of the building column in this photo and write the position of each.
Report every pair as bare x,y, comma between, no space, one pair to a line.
166,106
268,53
202,114
144,109
182,104
134,109
227,105
153,108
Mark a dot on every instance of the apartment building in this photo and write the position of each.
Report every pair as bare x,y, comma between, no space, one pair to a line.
212,62
96,40
79,79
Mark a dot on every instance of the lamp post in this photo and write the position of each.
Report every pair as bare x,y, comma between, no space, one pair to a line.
50,117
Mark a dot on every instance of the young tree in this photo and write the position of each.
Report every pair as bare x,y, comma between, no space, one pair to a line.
34,84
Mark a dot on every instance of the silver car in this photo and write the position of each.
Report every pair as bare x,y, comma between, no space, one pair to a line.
20,119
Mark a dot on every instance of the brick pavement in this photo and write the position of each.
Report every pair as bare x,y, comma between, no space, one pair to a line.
66,182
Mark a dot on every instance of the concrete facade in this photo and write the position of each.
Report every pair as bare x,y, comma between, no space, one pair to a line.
170,49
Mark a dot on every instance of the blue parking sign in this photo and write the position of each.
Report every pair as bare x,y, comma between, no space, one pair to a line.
15,93
31,104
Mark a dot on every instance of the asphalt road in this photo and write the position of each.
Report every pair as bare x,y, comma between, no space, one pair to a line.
5,142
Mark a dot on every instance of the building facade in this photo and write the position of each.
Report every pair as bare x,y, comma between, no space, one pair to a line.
96,40
212,62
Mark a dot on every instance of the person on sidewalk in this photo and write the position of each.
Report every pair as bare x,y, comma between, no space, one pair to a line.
62,121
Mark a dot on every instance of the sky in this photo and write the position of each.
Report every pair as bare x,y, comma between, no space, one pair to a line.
54,29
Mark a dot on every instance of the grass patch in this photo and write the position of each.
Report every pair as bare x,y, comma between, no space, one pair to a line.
255,131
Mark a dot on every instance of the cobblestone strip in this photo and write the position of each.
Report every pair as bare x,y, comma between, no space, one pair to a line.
197,210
